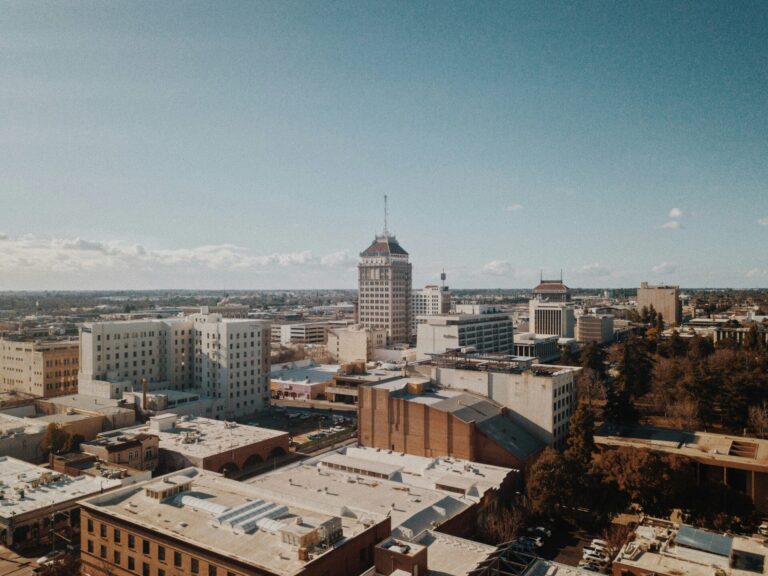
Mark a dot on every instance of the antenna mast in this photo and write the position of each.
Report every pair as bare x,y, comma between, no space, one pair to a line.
386,228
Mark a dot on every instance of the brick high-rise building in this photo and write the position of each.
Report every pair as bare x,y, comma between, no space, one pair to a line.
384,287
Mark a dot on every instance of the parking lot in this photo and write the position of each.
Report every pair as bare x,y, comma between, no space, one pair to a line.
305,424
566,544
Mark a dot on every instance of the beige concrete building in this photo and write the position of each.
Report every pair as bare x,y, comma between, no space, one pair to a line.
432,300
594,328
39,367
224,359
664,299
541,398
355,343
384,288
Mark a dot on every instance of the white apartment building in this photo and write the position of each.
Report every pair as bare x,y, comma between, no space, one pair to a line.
224,359
431,300
384,288
486,333
541,398
554,318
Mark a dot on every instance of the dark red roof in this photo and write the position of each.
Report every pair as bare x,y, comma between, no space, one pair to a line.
384,246
551,287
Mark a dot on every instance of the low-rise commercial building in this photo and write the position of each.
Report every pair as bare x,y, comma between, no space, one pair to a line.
80,463
415,493
662,548
347,381
409,415
300,333
543,348
43,368
225,447
31,495
302,380
196,522
737,461
137,451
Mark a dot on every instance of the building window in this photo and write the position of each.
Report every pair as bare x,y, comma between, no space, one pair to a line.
103,530
145,546
103,551
131,541
117,557
195,566
131,563
117,536
90,525
161,553
160,572
177,559
211,570
144,569
90,546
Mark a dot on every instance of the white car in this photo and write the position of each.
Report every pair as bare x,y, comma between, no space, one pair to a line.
541,530
763,529
49,559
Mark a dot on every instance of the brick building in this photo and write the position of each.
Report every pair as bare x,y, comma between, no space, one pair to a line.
411,416
196,522
43,368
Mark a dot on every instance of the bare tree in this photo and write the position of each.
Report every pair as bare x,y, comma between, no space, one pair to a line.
758,419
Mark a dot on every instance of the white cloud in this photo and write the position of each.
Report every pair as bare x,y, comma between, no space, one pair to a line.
595,270
762,222
665,268
66,255
513,208
672,225
758,273
676,213
498,267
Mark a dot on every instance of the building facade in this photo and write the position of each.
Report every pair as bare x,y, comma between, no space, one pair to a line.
594,328
485,333
225,359
384,288
553,318
431,300
43,368
664,299
355,343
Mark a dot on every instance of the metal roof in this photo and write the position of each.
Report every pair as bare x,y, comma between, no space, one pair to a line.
691,537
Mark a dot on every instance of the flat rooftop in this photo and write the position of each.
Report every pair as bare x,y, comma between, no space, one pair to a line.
210,512
368,483
42,488
198,437
450,555
10,425
309,374
665,549
735,451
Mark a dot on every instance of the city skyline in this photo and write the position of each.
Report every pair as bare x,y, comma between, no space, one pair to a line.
186,145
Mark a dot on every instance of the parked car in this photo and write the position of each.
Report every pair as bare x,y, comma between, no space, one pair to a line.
763,529
541,531
535,540
49,559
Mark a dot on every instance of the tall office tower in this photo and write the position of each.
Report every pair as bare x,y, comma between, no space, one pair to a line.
384,287
552,291
429,301
551,311
225,359
664,299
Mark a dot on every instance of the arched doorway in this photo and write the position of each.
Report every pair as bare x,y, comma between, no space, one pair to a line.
276,452
252,461
229,469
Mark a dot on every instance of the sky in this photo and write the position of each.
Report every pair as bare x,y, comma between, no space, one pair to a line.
248,145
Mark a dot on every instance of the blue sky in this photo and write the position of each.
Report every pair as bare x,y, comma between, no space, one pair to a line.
248,145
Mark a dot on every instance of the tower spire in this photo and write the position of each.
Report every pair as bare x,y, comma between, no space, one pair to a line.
386,217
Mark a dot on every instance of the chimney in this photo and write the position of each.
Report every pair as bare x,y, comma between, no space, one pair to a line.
144,394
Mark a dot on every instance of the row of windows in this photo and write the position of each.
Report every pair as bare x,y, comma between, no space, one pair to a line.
163,555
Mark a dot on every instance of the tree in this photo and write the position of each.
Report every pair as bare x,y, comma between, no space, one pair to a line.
55,439
758,419
581,438
550,483
593,356
567,357
498,522
700,348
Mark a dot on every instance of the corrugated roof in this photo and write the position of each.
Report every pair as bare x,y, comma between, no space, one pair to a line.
691,537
